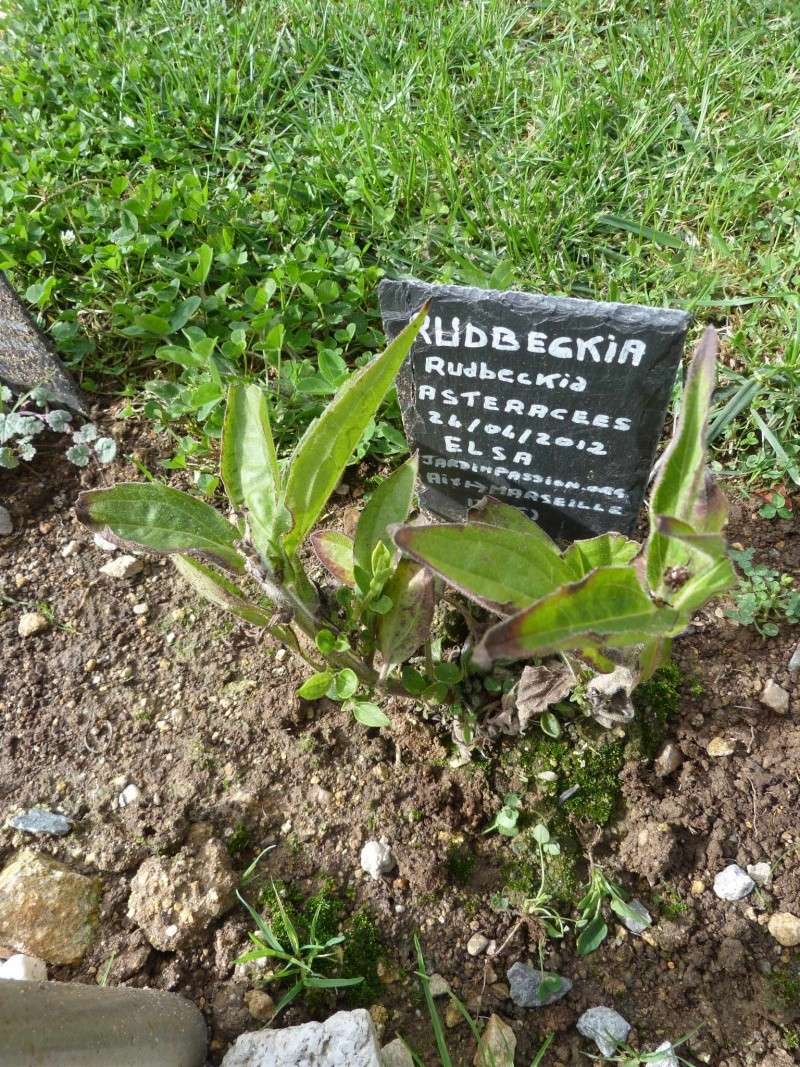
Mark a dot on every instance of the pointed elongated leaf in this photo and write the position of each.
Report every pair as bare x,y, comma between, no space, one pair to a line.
160,519
654,654
334,550
388,505
711,507
249,466
606,550
494,512
408,622
502,569
709,545
680,478
608,607
219,590
325,448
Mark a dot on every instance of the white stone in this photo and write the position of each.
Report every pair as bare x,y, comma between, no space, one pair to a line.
377,859
668,760
497,1045
665,1056
32,623
122,567
785,928
346,1039
23,968
775,697
71,548
103,544
396,1054
477,945
129,795
761,873
733,883
605,1027
141,609
6,524
721,746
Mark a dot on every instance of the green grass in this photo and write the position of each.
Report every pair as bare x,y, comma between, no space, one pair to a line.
620,151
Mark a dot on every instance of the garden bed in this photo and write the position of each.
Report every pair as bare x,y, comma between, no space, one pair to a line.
199,712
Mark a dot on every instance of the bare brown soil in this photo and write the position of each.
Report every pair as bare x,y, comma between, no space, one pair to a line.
198,712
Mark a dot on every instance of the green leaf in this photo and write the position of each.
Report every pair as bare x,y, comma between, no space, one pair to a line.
550,724
343,684
334,550
388,505
325,448
160,519
407,623
219,590
592,935
494,512
414,683
609,606
316,686
502,569
369,714
680,477
183,312
709,545
205,257
700,588
606,550
249,465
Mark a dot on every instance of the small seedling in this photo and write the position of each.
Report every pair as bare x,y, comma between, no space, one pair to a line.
23,419
505,821
775,508
539,905
297,963
763,596
591,922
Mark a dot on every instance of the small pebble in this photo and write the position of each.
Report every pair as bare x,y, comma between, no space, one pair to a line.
733,883
665,1056
761,873
71,548
794,662
785,928
377,859
129,795
668,760
141,609
21,968
721,746
697,888
605,1027
775,697
477,945
122,567
32,623
531,988
103,544
6,523
260,1005
438,986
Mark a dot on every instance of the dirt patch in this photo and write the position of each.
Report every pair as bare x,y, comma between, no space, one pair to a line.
200,713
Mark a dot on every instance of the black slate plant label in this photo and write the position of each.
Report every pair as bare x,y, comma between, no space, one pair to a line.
27,358
551,404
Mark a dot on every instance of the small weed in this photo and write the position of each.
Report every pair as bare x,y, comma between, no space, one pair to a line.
775,508
791,1038
785,986
670,903
591,923
764,596
505,821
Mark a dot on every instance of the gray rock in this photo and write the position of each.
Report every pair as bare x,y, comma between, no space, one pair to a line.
605,1027
377,859
636,925
525,984
396,1054
775,697
39,821
21,968
438,986
175,898
122,567
733,883
668,760
129,795
665,1057
6,524
31,623
46,910
346,1039
794,662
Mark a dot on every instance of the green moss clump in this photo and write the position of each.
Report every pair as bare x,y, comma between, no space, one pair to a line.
239,839
785,986
460,863
362,951
656,702
596,774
